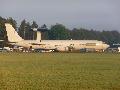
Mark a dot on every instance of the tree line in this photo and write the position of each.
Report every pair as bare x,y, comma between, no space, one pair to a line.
58,32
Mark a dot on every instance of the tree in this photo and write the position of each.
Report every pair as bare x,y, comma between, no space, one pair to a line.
25,30
44,34
3,33
81,33
12,22
110,37
34,25
22,29
2,23
58,32
28,32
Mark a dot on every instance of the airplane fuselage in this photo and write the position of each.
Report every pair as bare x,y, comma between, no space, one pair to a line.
62,45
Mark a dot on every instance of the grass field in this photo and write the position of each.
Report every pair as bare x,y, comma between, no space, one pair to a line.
59,71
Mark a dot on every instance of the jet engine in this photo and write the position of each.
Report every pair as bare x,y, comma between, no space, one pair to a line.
61,48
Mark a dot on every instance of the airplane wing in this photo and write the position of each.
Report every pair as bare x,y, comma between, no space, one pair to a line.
36,44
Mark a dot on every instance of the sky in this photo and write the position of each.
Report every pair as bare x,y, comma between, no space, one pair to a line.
90,14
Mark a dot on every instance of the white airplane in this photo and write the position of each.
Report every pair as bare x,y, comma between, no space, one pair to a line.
59,45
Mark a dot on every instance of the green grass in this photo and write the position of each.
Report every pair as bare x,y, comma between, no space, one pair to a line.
59,71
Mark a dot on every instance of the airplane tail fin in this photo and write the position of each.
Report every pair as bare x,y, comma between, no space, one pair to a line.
12,34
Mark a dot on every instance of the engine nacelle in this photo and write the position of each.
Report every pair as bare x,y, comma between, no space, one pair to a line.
60,48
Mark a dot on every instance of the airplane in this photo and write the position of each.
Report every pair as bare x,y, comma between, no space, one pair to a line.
57,45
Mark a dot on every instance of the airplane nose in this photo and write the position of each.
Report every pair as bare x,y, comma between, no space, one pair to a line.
106,46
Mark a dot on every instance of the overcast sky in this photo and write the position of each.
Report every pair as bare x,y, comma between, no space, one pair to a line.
96,14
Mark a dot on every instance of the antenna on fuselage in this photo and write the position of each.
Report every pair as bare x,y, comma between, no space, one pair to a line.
39,31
